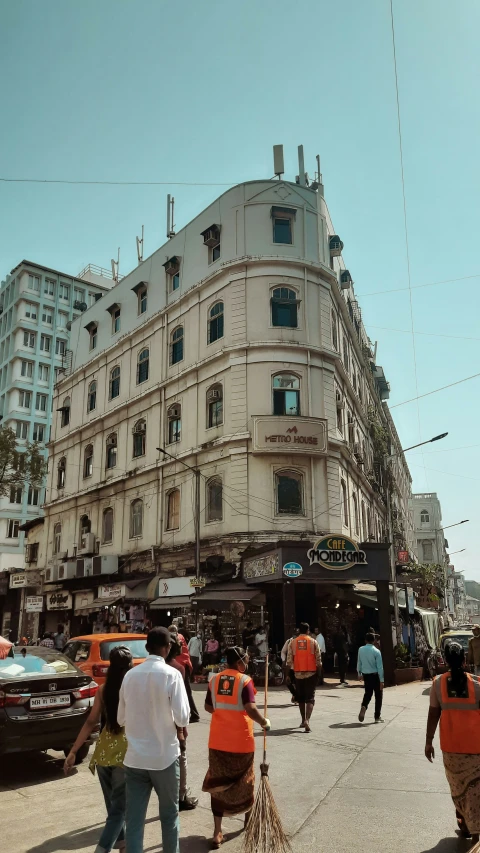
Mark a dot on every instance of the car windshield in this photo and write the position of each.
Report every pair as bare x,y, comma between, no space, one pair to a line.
33,663
77,651
137,647
457,638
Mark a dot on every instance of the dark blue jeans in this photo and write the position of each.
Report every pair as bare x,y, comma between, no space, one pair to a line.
112,780
140,784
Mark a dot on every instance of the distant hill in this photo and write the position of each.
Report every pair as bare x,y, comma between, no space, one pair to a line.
472,588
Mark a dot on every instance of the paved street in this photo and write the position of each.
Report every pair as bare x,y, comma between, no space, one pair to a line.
343,788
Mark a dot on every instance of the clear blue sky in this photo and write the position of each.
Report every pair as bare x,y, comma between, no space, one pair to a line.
190,91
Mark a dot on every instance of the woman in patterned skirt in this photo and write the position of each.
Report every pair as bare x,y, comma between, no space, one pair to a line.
455,702
109,751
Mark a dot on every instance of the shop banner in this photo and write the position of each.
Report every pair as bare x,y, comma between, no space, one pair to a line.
18,580
34,603
260,567
61,600
116,590
174,586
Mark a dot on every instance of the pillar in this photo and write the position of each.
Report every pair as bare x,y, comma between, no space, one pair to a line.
386,639
289,620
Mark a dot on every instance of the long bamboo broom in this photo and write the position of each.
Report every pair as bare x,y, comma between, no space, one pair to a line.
264,832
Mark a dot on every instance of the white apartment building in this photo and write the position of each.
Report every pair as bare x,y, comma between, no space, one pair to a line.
239,348
427,519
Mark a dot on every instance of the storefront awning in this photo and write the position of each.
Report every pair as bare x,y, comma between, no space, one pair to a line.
224,594
95,605
170,603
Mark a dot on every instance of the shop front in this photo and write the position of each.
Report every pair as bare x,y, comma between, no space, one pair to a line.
119,607
59,604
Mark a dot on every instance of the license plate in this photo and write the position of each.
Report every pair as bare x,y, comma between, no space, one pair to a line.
49,701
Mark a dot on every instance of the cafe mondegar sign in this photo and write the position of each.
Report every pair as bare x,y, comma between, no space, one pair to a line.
336,553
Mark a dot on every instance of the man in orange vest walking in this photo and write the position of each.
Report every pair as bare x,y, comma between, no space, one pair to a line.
305,660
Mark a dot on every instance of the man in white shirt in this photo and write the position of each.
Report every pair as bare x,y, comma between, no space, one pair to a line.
261,641
153,703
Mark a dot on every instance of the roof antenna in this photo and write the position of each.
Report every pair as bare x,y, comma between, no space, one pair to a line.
140,248
278,165
301,168
170,216
115,266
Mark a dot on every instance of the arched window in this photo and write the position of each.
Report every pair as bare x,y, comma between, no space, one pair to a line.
173,510
143,366
174,421
85,527
289,493
284,308
111,460
176,345
344,502
65,412
92,396
334,331
139,434
424,516
214,500
286,394
57,538
142,300
114,383
215,323
215,406
136,518
355,513
61,473
88,461
107,525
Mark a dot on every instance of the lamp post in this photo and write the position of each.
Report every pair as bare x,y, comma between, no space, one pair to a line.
456,552
196,472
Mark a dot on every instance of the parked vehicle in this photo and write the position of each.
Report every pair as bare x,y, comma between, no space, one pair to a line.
44,702
456,635
91,653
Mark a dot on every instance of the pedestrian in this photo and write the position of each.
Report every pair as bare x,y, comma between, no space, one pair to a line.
185,660
454,701
304,658
59,639
261,641
186,802
47,641
212,649
289,674
340,647
323,649
195,652
230,778
153,703
474,649
248,635
370,667
109,750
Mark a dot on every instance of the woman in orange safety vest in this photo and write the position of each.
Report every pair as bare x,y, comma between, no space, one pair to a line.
230,778
455,702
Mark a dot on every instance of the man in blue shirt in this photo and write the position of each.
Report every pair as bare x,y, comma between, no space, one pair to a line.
370,667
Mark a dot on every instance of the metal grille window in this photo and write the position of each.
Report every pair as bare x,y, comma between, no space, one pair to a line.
176,345
114,383
215,406
139,435
173,510
215,322
286,394
214,501
107,526
111,451
136,518
289,493
143,366
88,461
92,397
284,308
174,418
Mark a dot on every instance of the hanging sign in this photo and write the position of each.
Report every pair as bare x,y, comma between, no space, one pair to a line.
116,590
198,582
18,580
403,557
336,553
34,603
292,570
61,600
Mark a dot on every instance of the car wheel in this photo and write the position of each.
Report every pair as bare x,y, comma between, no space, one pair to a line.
81,753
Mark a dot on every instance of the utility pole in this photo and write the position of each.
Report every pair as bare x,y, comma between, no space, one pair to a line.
197,474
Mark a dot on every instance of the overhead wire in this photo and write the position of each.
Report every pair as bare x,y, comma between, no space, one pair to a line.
429,393
119,183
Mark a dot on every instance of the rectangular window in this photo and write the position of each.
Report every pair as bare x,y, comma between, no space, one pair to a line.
64,292
29,340
24,399
41,402
31,311
38,432
34,283
60,347
49,287
22,429
283,229
286,402
43,372
45,343
175,281
78,294
92,298
12,530
93,338
15,495
116,321
33,498
215,253
62,320
47,316
27,369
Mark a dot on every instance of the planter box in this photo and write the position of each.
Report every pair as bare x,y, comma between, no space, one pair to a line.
405,675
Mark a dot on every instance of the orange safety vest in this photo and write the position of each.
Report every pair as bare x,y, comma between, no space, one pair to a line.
460,719
231,730
304,658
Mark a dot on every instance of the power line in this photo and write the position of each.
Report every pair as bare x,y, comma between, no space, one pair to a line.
117,183
419,286
428,393
426,334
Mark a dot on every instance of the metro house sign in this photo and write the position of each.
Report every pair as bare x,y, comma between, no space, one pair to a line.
291,435
274,434
336,553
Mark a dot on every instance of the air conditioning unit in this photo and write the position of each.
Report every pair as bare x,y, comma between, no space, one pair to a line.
335,246
105,565
175,411
112,442
211,236
172,266
357,452
51,574
214,395
67,570
87,544
61,556
84,568
140,429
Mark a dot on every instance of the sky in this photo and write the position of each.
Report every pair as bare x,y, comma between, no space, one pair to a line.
147,90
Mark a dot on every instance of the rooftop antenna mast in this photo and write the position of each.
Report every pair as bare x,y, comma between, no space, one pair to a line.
278,164
140,248
115,267
170,216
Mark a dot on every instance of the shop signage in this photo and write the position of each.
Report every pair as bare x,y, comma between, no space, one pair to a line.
259,567
289,435
116,590
174,586
198,582
18,580
292,570
403,557
61,600
84,599
34,603
336,553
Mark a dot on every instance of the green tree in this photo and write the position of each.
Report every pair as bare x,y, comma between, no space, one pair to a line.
19,468
428,578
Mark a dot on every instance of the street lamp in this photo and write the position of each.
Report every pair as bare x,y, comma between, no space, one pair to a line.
438,529
429,441
196,471
457,552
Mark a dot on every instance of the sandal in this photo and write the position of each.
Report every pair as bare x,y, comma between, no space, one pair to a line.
217,844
